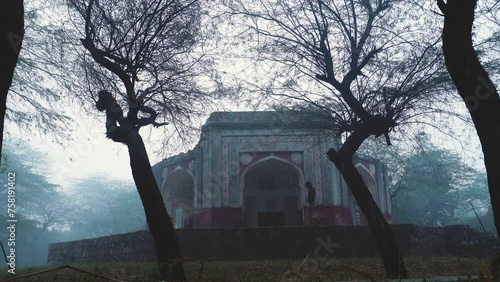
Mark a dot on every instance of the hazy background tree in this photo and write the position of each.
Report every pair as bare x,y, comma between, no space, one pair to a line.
429,190
430,185
105,206
40,208
87,208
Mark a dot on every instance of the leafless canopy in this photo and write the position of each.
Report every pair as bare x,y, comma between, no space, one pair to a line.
144,52
373,56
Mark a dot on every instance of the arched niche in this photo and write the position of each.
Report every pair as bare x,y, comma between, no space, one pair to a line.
272,193
178,195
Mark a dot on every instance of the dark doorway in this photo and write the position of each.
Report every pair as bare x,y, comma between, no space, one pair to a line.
178,195
271,194
271,219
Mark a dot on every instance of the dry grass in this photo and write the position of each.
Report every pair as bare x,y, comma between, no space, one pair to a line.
266,270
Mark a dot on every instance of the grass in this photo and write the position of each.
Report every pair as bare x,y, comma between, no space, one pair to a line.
263,270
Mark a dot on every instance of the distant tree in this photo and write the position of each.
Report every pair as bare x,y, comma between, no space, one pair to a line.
31,241
474,87
41,208
430,188
104,207
143,53
38,195
427,184
375,73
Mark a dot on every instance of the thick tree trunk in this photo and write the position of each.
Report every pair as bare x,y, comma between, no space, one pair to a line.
11,36
389,251
161,227
475,88
388,248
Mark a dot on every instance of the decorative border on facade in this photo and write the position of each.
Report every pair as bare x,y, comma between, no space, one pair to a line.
263,140
317,174
225,173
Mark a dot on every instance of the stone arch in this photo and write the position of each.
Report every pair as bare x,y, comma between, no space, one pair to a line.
178,194
271,192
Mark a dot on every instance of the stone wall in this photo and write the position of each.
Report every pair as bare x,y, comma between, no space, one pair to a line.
278,242
128,247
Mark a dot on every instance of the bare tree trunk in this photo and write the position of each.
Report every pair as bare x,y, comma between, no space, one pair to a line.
393,262
161,227
475,88
388,248
11,37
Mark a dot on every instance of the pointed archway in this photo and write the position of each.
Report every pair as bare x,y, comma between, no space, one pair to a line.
272,193
178,195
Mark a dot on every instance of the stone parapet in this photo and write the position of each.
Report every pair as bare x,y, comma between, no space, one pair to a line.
278,242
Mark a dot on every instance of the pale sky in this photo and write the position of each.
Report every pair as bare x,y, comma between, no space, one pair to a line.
88,153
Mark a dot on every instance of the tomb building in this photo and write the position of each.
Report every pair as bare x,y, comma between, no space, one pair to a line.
250,169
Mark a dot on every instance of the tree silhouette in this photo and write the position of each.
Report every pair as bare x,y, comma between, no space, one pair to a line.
361,64
11,38
475,88
141,51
